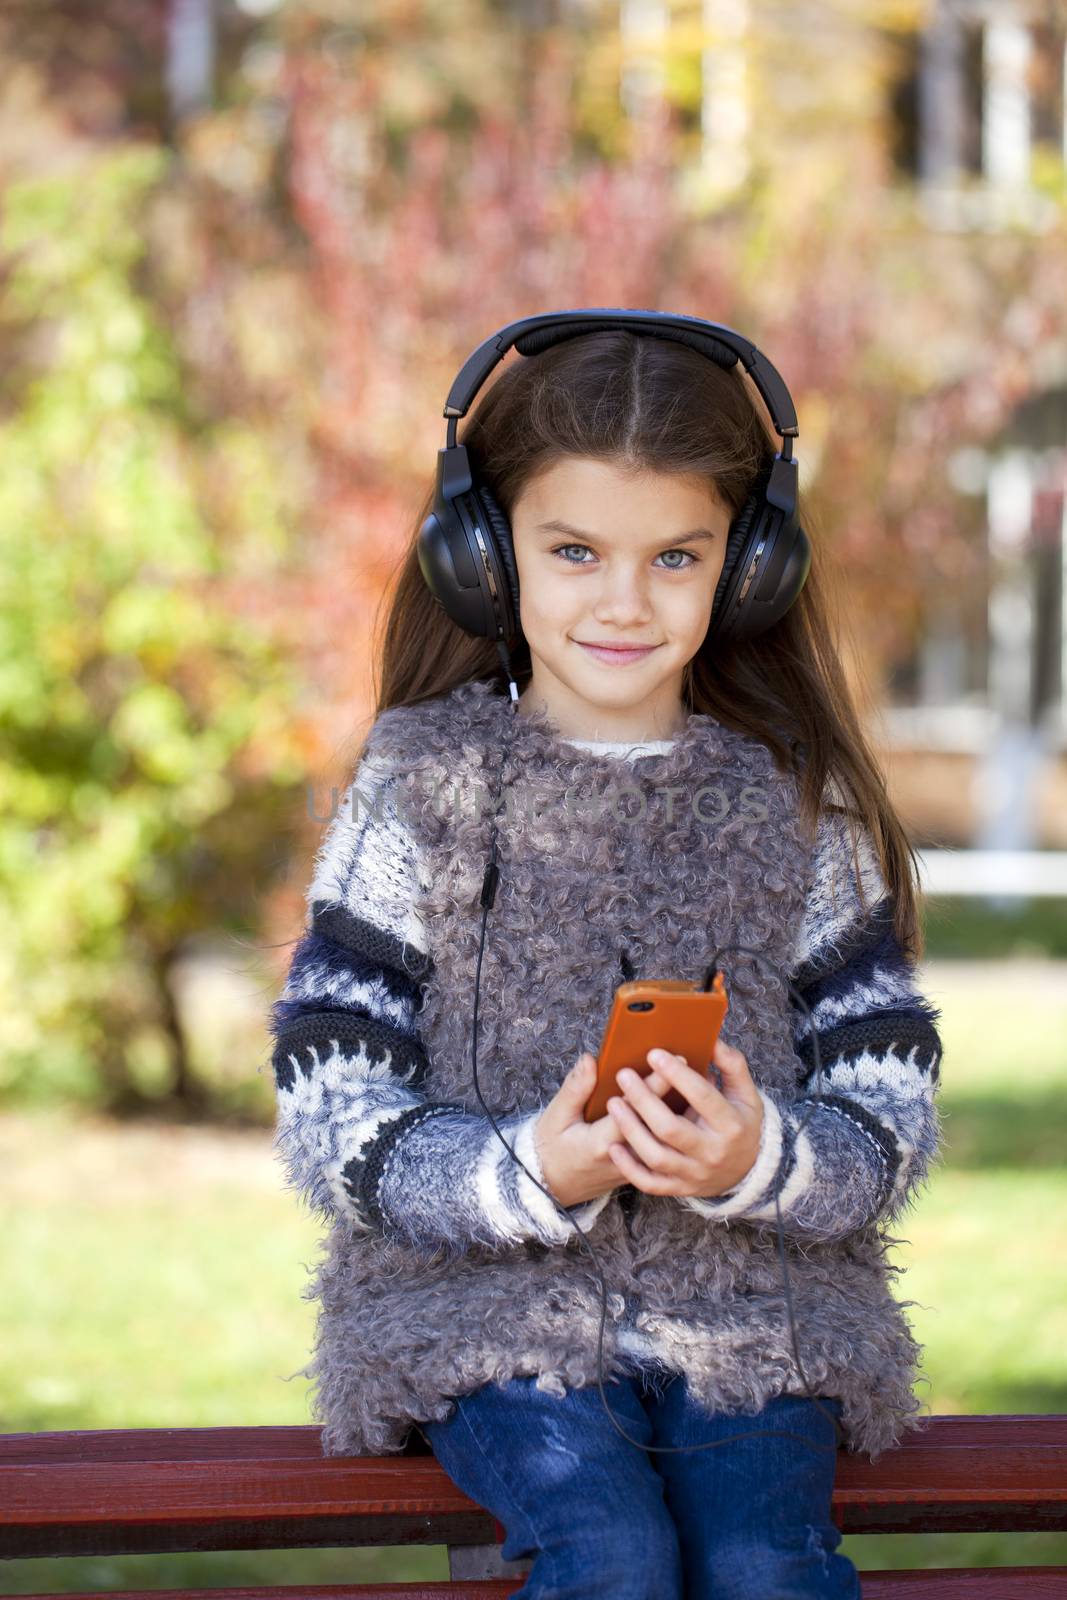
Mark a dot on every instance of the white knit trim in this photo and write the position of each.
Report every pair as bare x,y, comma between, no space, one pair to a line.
489,1191
543,1212
799,1182
759,1177
621,747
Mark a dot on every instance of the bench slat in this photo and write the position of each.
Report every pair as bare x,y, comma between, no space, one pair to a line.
132,1491
303,1442
936,1583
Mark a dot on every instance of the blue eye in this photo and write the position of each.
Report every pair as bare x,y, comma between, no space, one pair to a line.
560,548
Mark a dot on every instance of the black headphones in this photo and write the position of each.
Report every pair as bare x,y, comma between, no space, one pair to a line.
465,547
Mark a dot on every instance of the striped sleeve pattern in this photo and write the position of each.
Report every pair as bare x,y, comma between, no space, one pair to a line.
874,1128
356,1134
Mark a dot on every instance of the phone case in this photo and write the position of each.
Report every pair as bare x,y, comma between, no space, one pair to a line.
657,1014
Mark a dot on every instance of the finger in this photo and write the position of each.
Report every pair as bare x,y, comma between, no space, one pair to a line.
635,1171
668,1126
654,1082
726,1055
656,1086
656,1156
647,1104
621,1154
581,1079
738,1083
698,1089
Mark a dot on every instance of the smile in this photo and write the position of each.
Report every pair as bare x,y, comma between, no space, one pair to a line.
617,655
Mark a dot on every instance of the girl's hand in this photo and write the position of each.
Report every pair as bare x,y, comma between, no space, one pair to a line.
704,1151
574,1154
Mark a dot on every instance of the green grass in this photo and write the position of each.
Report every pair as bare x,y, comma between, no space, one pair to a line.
153,1278
966,926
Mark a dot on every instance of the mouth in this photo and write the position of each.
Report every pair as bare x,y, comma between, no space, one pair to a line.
617,654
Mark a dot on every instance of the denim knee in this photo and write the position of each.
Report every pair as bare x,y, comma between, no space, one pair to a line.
803,1567
637,1562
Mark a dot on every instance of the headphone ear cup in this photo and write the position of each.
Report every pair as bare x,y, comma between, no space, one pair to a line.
739,542
502,554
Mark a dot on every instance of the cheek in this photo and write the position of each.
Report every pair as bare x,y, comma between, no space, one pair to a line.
693,614
548,604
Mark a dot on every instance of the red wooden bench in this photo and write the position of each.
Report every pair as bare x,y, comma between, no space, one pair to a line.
130,1491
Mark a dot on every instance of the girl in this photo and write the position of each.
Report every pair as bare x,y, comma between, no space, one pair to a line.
655,789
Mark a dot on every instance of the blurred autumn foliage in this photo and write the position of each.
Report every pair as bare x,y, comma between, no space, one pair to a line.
227,338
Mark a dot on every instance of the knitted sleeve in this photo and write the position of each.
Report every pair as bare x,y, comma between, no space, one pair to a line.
874,1129
356,1135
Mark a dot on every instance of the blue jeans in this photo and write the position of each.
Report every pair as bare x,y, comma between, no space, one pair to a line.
745,1521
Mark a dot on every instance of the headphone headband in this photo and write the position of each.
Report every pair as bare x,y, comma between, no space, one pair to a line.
531,335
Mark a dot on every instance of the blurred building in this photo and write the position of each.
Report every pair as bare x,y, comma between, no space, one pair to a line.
984,696
969,97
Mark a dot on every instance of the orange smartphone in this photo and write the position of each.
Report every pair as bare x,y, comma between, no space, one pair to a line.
652,1014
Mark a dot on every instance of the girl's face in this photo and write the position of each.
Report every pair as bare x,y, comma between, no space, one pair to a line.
606,558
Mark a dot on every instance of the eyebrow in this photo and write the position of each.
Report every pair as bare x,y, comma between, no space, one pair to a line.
556,525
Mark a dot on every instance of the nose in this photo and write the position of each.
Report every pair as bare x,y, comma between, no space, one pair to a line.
623,600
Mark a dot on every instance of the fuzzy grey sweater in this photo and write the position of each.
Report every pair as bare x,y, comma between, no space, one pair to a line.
444,1266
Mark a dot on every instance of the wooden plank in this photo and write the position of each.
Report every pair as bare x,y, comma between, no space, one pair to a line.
937,1583
298,1443
117,1535
959,1473
148,1490
303,1442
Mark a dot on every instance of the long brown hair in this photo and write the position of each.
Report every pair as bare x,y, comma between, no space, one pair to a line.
648,404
